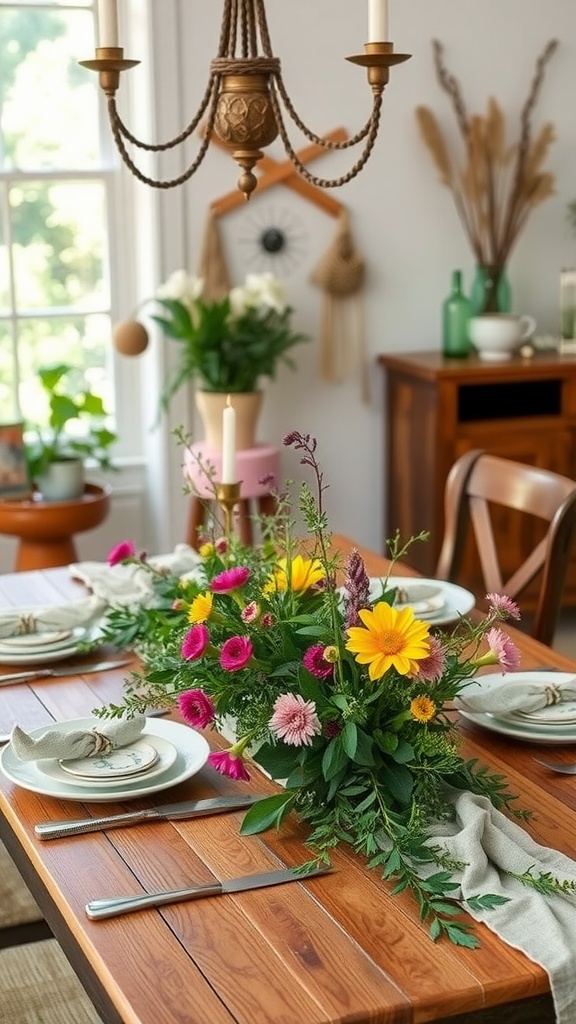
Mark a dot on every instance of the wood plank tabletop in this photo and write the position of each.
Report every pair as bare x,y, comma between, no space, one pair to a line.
334,949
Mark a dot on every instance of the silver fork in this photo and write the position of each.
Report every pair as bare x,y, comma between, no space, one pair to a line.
557,766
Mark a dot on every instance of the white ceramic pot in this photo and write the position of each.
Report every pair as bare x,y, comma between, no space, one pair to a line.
496,336
62,480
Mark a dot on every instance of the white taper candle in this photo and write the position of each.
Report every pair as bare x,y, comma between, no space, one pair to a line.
107,23
377,21
228,475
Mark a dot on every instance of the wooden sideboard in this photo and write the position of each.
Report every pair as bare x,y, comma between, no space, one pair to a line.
437,409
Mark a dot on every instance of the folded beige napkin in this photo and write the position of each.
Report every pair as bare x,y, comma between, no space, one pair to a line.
111,586
493,849
101,739
512,697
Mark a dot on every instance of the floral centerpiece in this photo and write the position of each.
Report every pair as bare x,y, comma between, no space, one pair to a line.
226,345
335,691
495,183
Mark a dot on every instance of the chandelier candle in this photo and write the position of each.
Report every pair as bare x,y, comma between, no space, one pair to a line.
377,21
107,23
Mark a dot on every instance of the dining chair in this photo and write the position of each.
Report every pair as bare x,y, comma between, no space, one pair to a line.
476,484
38,985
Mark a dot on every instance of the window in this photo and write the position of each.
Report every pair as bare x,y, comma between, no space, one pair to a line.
55,205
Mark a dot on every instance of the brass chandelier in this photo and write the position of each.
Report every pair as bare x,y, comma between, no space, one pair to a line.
242,103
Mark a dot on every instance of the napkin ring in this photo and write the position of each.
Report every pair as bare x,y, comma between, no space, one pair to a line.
553,695
102,743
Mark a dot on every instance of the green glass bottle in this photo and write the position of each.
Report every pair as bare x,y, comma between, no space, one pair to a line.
456,313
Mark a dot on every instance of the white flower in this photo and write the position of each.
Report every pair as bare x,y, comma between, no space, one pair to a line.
187,288
259,291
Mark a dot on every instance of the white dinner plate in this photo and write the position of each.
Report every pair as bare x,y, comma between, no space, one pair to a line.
43,656
519,726
166,756
454,600
35,641
191,754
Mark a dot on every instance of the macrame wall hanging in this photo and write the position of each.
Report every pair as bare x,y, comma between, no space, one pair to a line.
340,273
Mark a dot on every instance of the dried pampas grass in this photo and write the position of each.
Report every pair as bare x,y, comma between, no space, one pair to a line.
495,184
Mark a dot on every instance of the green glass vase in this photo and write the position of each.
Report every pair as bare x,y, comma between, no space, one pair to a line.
456,313
491,292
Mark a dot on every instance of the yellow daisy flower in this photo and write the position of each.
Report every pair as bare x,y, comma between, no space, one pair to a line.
205,550
300,574
387,639
423,708
201,608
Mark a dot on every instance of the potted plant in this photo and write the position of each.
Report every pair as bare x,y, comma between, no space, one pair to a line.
226,346
55,454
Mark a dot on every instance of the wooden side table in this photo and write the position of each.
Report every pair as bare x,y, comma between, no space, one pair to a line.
46,528
437,409
258,470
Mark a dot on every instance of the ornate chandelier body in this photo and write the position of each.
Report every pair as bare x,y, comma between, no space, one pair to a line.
245,96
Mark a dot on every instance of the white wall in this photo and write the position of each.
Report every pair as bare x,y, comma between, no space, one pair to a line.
403,220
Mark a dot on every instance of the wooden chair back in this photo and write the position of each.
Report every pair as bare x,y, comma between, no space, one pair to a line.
478,480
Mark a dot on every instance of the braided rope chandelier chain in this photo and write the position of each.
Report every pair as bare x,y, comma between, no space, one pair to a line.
241,102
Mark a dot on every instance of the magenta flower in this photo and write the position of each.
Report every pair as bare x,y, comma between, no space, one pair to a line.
195,642
197,708
315,662
431,668
503,607
236,653
294,720
504,649
125,549
230,579
227,763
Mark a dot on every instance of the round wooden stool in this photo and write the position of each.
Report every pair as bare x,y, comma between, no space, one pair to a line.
46,528
258,470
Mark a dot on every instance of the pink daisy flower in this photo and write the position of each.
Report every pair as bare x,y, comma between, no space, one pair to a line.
294,720
229,764
236,653
230,579
313,659
195,642
432,667
125,549
503,607
504,649
221,545
197,708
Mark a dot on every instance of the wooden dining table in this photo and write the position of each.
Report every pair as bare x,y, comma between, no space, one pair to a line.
335,949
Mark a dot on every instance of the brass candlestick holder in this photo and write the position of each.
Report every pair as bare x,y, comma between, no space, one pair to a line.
228,496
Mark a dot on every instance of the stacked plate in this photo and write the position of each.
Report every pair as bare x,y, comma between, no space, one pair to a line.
434,601
553,724
165,754
41,648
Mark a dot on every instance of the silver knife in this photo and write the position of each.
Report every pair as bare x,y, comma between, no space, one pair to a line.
168,812
68,670
98,909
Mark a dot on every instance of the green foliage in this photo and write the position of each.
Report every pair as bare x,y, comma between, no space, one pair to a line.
227,346
55,443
